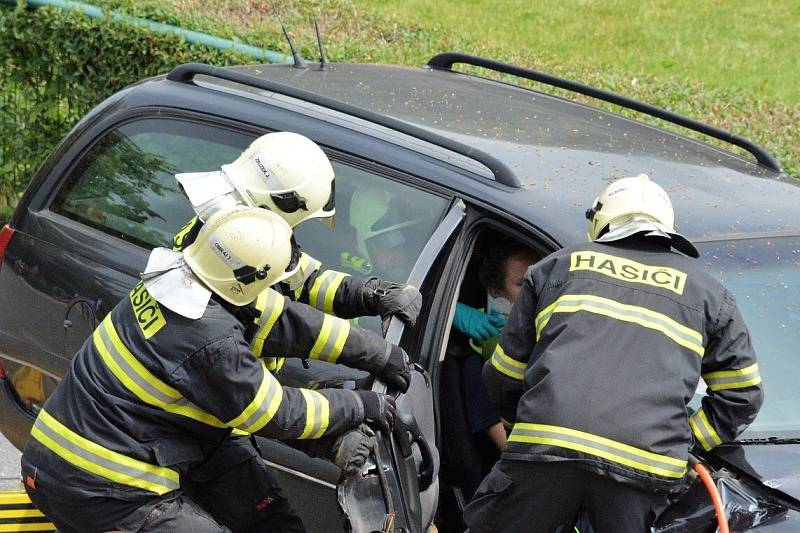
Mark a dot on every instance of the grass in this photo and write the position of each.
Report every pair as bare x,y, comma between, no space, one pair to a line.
752,46
733,64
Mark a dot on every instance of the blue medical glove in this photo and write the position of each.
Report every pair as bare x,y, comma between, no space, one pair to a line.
477,324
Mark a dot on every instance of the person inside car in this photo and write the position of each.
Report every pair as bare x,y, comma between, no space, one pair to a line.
163,381
491,285
596,366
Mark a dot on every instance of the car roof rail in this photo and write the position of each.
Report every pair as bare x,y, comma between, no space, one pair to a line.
502,173
445,61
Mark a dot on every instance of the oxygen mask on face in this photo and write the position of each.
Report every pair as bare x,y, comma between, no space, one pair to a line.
498,306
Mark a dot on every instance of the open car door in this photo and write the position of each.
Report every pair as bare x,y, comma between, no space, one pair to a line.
400,486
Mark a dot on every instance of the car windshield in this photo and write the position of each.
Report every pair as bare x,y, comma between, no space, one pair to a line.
764,276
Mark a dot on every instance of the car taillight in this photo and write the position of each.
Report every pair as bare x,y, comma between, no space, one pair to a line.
2,370
5,237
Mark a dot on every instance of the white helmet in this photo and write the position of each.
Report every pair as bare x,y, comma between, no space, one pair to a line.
240,252
285,173
635,199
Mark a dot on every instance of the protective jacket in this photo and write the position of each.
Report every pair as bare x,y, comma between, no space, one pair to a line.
152,393
334,293
603,352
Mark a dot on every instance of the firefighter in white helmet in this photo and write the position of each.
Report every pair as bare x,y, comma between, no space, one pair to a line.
603,350
304,316
163,381
290,175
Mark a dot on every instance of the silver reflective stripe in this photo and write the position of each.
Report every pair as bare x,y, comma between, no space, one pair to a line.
105,463
499,362
317,413
331,350
594,444
266,315
129,371
733,379
273,389
703,430
642,316
319,297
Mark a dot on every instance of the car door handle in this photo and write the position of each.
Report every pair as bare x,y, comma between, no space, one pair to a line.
407,433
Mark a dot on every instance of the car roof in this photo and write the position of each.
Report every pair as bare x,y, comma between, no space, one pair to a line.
563,152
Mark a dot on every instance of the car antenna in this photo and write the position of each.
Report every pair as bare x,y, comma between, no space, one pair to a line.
319,42
298,60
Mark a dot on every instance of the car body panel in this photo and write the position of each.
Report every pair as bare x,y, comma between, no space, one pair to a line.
564,151
777,466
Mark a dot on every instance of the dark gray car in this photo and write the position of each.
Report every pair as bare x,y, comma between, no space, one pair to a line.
452,156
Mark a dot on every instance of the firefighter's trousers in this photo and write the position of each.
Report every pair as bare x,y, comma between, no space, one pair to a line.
543,497
231,491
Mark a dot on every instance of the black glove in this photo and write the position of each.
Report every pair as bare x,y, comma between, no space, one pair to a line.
396,373
379,410
349,451
386,298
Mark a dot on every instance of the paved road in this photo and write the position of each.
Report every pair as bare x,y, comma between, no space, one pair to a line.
9,465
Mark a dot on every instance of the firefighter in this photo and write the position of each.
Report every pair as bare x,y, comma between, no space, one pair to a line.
303,316
162,382
289,174
603,350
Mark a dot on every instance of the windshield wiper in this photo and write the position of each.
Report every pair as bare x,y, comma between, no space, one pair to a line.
768,440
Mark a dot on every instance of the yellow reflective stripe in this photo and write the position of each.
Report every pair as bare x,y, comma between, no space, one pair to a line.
698,434
140,381
596,445
506,423
506,365
572,303
317,415
703,430
330,292
709,428
331,339
324,290
733,379
264,406
101,461
324,417
310,413
270,303
134,363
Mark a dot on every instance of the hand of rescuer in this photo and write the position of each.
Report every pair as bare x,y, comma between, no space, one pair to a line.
387,299
396,373
351,449
477,324
379,410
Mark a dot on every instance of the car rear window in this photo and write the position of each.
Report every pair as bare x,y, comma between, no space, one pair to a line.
125,185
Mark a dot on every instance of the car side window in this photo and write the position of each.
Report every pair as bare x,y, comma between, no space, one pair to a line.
125,185
381,225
